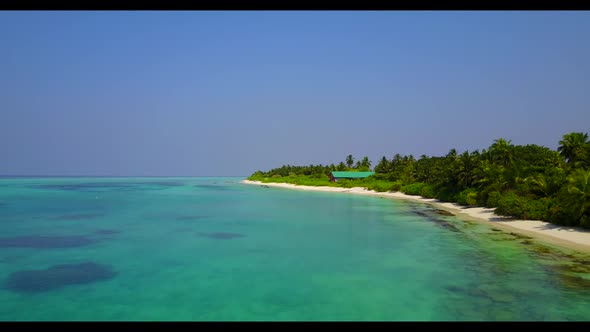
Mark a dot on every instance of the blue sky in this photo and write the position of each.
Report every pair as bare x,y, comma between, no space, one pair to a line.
227,93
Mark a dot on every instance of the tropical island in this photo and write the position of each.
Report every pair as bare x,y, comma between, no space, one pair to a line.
529,182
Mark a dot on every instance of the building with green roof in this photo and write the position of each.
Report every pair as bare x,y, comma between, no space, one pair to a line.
335,176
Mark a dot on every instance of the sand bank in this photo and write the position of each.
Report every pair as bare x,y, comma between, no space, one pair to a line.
571,237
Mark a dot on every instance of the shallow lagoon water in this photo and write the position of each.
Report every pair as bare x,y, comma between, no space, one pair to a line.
215,249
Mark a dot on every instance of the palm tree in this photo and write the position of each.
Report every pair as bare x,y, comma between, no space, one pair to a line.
488,174
382,166
517,171
349,161
501,152
540,184
452,154
574,147
578,192
366,163
465,167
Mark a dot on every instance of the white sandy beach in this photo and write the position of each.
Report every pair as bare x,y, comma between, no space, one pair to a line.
574,238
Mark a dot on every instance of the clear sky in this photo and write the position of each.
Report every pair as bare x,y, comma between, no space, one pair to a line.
227,93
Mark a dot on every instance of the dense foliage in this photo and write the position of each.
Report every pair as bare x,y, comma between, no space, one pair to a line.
529,182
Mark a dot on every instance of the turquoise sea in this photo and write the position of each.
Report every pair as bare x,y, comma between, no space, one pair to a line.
200,249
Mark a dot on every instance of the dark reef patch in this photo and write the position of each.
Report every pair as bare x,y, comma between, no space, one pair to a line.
45,242
456,290
80,216
582,261
57,276
421,213
220,235
433,218
568,276
107,231
539,249
184,218
487,292
575,282
447,225
520,236
444,212
11,259
576,268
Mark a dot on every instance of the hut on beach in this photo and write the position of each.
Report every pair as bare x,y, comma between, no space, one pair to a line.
335,176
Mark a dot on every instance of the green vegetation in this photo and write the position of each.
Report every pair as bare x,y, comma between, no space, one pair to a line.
529,182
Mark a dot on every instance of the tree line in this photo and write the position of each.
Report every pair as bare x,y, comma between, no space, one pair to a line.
317,171
522,181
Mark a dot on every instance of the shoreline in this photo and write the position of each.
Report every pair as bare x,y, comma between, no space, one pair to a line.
564,236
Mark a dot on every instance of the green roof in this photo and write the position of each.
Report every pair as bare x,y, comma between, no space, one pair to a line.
354,175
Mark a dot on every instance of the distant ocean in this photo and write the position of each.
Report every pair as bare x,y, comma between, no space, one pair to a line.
160,249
